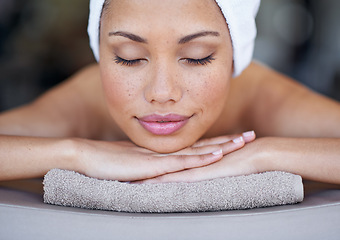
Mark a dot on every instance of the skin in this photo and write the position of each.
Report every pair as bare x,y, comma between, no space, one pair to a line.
163,80
298,130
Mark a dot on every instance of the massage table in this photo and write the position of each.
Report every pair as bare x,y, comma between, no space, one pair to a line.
23,215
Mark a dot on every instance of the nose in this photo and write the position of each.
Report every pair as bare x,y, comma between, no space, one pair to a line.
164,85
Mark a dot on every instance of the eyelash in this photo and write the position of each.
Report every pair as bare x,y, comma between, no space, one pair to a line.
125,62
202,61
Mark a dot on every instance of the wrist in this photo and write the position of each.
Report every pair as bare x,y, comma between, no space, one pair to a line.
264,157
70,150
277,154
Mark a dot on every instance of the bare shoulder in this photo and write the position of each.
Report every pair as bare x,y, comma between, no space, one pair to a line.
280,106
74,108
273,104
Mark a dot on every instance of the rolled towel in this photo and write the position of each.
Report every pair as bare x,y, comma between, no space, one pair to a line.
68,188
239,14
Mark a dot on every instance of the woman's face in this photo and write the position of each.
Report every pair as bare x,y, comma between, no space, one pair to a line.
165,67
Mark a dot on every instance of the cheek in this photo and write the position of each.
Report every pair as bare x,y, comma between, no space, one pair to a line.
119,90
211,93
122,96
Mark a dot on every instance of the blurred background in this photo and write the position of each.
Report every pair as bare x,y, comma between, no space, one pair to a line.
44,42
301,38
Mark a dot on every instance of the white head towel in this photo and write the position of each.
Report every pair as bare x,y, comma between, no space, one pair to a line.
240,16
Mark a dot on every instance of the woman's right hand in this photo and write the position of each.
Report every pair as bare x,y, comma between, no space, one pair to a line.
124,161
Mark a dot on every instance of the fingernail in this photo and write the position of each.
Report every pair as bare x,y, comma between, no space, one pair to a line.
238,140
219,152
248,134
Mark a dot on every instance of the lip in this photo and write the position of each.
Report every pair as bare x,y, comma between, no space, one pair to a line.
163,125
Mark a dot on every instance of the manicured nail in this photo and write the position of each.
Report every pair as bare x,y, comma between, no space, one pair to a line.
238,140
219,152
248,134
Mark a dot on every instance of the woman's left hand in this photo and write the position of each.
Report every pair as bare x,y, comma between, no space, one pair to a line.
240,162
315,159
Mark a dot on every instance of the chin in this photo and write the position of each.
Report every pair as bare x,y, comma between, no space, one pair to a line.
165,147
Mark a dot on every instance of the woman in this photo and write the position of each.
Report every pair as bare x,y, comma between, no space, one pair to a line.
162,106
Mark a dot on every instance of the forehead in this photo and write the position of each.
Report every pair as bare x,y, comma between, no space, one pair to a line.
178,14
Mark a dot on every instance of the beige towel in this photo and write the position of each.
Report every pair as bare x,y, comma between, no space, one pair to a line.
67,188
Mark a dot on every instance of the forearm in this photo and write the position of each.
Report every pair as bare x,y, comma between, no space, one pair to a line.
315,159
30,157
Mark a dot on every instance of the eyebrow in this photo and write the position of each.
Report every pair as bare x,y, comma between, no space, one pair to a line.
183,40
130,36
197,35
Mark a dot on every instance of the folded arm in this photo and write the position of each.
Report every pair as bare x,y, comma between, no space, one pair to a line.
32,136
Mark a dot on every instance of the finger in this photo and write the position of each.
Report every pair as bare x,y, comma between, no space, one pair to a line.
220,169
198,150
191,175
233,145
175,163
227,147
215,140
248,137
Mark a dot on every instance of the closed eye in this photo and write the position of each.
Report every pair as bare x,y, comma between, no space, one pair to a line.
201,61
125,62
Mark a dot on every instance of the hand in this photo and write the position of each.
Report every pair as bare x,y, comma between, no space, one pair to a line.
125,161
235,163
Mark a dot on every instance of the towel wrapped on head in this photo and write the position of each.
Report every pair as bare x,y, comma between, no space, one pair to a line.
239,14
68,188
